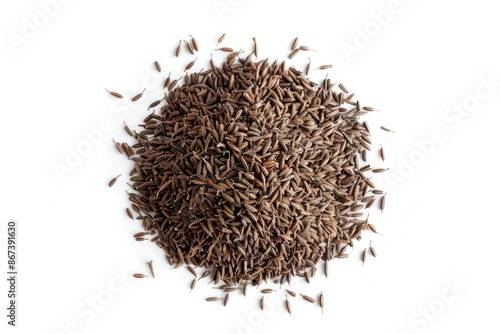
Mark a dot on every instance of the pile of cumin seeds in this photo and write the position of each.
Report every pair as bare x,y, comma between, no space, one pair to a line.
250,170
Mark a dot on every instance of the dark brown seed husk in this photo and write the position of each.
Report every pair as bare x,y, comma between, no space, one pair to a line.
324,67
226,299
194,42
291,293
221,38
189,47
382,203
386,129
372,250
178,49
213,299
363,256
266,290
262,305
140,275
115,94
379,170
188,66
110,184
308,66
382,154
150,264
309,299
225,49
157,66
321,301
304,48
255,48
192,271
293,53
129,213
288,306
138,96
294,43
193,284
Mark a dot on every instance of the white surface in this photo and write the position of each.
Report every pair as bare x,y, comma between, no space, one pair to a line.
439,225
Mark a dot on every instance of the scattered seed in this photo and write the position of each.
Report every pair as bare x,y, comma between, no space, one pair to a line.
129,213
110,184
262,305
372,250
321,301
115,94
324,67
178,49
266,290
288,306
194,42
138,96
382,203
150,264
158,67
293,53
308,66
221,38
192,271
363,256
188,66
226,299
213,299
193,284
225,49
294,43
140,275
255,48
291,293
309,299
386,129
382,154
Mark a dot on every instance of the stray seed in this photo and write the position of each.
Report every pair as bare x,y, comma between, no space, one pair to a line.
305,48
294,43
324,67
363,256
189,47
192,271
194,42
306,276
140,275
326,268
138,96
372,250
150,264
213,299
244,290
255,48
110,184
262,305
309,299
308,66
193,284
386,129
154,104
115,94
129,213
221,38
226,299
293,54
188,66
158,67
288,306
379,170
382,154
341,86
291,293
321,302
382,203
178,50
266,290
225,49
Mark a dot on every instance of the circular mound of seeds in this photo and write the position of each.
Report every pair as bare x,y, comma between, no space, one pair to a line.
251,171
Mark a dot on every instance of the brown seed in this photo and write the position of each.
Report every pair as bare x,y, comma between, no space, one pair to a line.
244,290
138,96
324,67
382,154
255,48
363,256
288,306
382,203
188,66
326,268
293,53
221,38
321,301
304,48
386,129
192,271
150,264
189,47
213,299
193,284
306,276
140,275
309,299
262,305
110,184
158,67
291,293
118,147
341,86
379,170
226,299
372,250
178,49
154,104
294,43
129,213
115,94
225,49
194,42
266,290
308,66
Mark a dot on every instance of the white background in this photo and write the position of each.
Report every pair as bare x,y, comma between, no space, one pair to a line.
439,228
